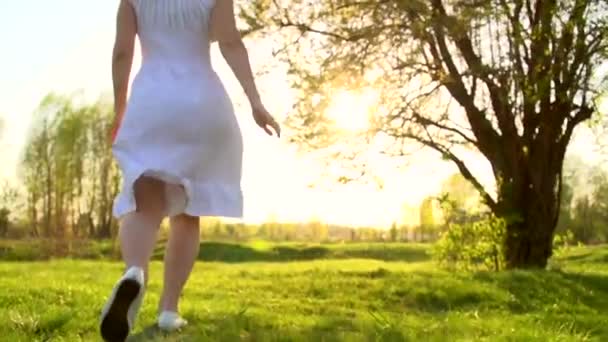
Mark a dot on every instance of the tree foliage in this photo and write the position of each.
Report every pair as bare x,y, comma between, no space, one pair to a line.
461,191
459,201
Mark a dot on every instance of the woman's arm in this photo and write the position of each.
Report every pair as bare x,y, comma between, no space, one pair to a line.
122,58
224,31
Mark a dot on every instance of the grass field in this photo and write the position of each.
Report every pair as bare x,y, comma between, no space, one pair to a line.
351,292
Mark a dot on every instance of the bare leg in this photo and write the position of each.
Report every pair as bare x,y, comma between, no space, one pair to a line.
181,253
137,234
139,230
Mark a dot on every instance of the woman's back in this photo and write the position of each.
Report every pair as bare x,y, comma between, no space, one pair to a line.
174,32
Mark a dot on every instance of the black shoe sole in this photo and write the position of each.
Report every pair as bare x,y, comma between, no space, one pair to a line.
115,325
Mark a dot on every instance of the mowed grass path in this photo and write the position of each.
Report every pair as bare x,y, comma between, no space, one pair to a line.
359,292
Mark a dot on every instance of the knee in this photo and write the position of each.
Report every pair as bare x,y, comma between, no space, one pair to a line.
185,222
149,197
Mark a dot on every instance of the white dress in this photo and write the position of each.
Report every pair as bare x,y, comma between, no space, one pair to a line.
179,125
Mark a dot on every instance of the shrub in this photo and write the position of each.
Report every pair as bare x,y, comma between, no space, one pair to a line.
562,242
473,245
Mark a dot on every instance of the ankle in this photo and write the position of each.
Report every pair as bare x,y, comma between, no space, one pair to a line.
167,306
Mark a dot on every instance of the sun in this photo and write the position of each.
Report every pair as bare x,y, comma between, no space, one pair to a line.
351,111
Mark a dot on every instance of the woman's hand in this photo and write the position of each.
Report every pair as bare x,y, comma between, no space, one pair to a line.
264,119
224,31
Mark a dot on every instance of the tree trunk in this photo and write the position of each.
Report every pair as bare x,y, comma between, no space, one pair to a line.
531,210
528,243
104,231
33,213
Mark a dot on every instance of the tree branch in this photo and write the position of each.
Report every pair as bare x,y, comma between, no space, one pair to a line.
498,95
487,137
462,167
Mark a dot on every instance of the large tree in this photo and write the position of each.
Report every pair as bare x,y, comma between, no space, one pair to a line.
510,80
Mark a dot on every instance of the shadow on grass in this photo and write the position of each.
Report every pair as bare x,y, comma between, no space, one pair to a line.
242,327
596,287
46,249
239,253
594,255
532,290
38,250
149,333
386,252
227,252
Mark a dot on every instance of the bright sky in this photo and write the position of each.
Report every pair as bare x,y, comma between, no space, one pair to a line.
65,46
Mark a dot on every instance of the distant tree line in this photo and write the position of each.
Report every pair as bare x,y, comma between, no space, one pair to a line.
584,208
69,181
68,177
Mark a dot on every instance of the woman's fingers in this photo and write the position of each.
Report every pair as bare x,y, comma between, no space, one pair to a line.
268,131
276,127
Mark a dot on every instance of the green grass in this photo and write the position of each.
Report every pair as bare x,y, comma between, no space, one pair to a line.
294,292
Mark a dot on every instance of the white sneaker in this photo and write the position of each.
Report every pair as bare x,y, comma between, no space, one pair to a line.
119,312
171,321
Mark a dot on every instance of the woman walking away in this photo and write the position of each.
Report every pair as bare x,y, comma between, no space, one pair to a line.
176,141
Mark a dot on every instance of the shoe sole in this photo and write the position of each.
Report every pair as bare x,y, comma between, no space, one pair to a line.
115,324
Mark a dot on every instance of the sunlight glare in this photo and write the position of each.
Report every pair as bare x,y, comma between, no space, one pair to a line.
351,110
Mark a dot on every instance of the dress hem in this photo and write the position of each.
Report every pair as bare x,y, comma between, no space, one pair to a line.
202,199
